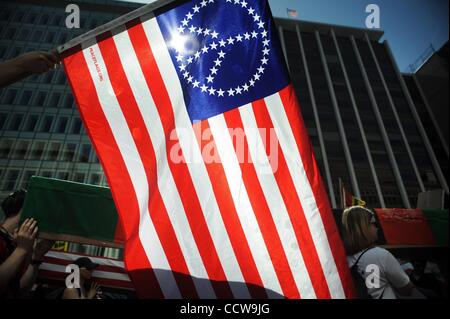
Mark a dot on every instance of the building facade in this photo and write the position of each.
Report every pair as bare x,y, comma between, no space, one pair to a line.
363,123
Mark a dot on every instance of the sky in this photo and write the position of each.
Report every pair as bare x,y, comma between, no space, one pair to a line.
410,26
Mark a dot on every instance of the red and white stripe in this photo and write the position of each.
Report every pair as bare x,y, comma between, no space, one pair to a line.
194,229
109,273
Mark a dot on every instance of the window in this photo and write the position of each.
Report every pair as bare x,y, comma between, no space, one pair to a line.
61,79
31,18
57,21
54,100
37,150
76,126
50,37
44,19
2,51
53,151
47,174
24,34
49,77
63,38
15,52
95,179
85,153
3,117
78,177
69,152
62,125
31,122
18,17
11,180
68,103
10,33
47,124
26,96
26,178
5,148
21,150
10,96
37,35
40,100
16,122
63,175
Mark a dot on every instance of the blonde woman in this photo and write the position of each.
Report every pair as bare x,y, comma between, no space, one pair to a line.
387,278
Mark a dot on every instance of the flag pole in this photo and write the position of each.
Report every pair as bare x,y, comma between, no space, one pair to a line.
145,9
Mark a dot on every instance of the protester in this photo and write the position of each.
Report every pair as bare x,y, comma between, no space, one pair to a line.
27,64
88,289
388,280
20,253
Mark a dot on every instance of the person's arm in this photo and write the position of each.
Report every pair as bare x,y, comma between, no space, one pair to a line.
71,293
25,240
397,276
25,65
29,277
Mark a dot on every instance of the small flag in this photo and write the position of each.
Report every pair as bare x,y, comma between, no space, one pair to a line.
347,198
292,13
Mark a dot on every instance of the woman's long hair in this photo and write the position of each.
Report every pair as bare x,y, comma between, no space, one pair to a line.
356,229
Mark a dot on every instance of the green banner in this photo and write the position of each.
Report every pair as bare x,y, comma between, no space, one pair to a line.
73,212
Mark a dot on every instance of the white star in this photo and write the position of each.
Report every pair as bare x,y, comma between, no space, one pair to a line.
180,29
261,69
213,70
221,54
230,40
189,16
218,62
179,58
182,67
239,38
254,34
214,46
210,1
205,49
230,92
238,90
220,92
236,1
212,91
245,87
222,43
206,32
197,55
184,22
190,60
192,29
195,84
196,9
190,79
264,34
210,79
252,83
251,11
244,4
203,3
261,25
256,17
264,61
229,1
214,35
199,31
266,42
266,51
247,36
204,88
186,74
257,76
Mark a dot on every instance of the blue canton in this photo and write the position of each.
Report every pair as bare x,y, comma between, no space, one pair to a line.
226,53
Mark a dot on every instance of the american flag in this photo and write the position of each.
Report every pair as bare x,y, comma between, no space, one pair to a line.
197,126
